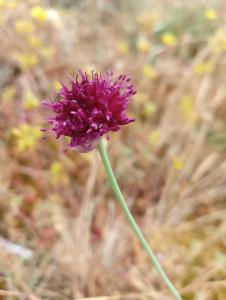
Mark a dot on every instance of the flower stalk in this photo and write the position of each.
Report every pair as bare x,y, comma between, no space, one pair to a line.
131,220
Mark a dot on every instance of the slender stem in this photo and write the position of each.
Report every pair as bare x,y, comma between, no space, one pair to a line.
132,221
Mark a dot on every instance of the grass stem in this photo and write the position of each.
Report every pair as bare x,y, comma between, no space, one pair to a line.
131,220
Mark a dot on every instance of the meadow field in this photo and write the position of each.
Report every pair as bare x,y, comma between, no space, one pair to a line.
62,234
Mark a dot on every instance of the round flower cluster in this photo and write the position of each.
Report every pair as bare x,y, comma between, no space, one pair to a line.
90,108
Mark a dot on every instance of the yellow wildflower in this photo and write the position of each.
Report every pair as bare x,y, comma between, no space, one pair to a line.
149,109
148,72
8,94
56,173
123,47
89,69
178,163
148,19
27,61
89,156
169,39
188,110
203,68
56,85
47,52
2,3
39,13
143,44
26,136
210,14
34,42
154,137
30,100
24,27
11,4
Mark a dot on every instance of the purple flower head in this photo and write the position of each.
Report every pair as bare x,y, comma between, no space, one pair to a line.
90,108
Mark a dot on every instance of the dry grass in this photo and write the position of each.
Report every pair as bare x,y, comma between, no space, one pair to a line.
170,163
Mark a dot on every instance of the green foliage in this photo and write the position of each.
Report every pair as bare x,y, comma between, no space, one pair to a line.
180,21
217,139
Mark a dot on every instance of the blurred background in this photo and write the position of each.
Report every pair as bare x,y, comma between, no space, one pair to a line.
62,235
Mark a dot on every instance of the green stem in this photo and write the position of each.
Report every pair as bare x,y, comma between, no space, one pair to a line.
132,221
